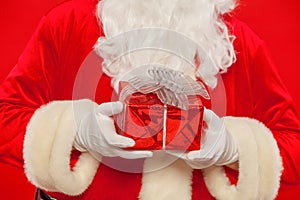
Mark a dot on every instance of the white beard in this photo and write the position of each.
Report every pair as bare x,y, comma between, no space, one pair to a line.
191,28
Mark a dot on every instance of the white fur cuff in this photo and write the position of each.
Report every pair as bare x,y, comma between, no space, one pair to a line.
47,147
260,164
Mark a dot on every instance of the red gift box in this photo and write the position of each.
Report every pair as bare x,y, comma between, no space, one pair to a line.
156,126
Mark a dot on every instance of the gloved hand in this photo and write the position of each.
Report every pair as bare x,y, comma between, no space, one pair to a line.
96,134
217,145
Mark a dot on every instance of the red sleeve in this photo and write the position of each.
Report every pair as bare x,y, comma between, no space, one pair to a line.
275,108
45,71
28,86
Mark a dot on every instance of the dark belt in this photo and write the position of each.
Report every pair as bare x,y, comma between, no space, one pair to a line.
41,195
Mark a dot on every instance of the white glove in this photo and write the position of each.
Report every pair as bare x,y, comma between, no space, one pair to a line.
97,134
217,145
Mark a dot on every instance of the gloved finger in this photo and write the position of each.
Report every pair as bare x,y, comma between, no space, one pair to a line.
129,154
199,164
199,155
208,115
119,141
107,128
110,108
212,120
114,139
199,159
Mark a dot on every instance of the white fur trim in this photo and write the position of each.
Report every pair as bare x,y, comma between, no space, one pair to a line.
48,145
260,164
166,177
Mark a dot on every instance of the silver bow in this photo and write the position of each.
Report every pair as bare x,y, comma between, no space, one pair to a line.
171,87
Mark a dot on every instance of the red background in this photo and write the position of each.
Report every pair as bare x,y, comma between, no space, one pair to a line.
276,21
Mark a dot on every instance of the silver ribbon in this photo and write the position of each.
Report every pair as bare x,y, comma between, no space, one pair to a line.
171,87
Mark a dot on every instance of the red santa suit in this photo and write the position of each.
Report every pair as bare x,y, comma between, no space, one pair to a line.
36,101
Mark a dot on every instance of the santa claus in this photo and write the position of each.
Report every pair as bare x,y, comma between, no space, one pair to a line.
64,110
